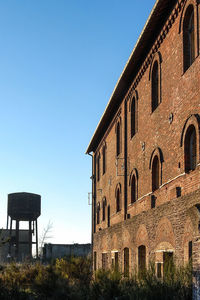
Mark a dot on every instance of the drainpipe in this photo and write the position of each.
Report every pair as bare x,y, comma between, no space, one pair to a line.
125,159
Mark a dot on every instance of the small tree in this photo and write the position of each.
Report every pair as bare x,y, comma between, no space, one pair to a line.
45,236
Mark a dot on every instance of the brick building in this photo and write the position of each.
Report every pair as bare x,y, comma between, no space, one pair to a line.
146,149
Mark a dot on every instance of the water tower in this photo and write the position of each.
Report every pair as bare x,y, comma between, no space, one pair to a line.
24,207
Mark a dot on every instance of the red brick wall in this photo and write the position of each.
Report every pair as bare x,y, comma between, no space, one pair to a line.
180,96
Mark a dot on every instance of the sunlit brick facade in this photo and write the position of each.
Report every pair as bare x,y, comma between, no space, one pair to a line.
146,149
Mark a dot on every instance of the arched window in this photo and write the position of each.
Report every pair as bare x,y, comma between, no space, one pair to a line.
118,201
104,159
190,149
126,262
133,117
188,38
141,258
155,174
118,139
98,213
155,86
104,209
133,189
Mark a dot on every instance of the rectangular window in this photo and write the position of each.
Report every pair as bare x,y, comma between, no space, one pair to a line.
116,261
159,268
98,167
104,261
190,250
104,160
95,261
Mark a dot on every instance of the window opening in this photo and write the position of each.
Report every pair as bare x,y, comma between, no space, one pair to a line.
155,174
133,117
133,189
118,200
108,215
104,210
188,38
104,261
167,263
154,85
159,270
98,167
190,149
141,258
126,262
104,160
118,139
190,250
98,213
95,261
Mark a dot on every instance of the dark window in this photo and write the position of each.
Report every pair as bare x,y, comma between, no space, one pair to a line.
188,38
159,270
98,167
104,160
104,209
154,86
133,189
104,261
167,262
118,200
118,138
133,117
126,262
155,174
98,213
153,201
190,149
95,261
108,216
116,261
141,258
190,250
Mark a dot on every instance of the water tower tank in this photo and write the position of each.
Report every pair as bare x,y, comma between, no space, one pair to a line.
24,206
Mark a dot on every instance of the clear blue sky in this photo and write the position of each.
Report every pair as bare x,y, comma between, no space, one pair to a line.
59,63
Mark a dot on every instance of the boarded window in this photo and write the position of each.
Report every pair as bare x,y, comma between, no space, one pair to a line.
133,117
118,139
188,38
154,86
190,149
126,262
133,189
141,258
155,174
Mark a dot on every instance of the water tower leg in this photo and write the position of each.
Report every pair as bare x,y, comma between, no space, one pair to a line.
17,240
36,225
30,240
10,236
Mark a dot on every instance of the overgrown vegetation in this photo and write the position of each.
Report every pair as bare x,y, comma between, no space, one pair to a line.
72,279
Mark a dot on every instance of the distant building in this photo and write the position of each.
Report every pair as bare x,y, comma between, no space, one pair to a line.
53,251
8,250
